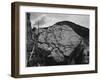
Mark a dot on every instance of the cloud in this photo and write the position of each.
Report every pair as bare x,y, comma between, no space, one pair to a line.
44,21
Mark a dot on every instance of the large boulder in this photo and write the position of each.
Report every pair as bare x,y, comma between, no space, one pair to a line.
62,40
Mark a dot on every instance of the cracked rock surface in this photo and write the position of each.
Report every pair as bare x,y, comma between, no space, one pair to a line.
60,40
56,41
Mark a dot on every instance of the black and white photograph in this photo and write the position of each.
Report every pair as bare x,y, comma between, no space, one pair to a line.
57,39
52,39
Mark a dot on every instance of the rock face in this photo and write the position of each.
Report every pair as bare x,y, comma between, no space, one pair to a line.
59,43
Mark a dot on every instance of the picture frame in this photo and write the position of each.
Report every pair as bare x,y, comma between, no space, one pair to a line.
26,15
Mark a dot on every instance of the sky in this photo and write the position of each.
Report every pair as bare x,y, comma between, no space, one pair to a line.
48,19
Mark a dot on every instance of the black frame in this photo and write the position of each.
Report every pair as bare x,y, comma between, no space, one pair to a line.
15,38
